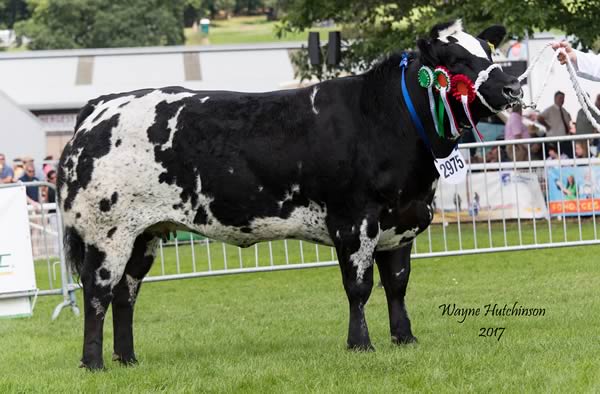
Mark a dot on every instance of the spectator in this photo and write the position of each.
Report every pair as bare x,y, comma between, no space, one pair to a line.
557,121
51,194
6,173
552,153
581,151
582,124
515,129
33,192
47,165
497,153
39,173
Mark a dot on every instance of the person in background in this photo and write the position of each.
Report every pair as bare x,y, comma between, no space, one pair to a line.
552,153
38,170
47,166
514,130
33,192
584,126
6,173
51,193
581,151
557,121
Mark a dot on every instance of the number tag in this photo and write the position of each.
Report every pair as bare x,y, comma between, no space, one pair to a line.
452,169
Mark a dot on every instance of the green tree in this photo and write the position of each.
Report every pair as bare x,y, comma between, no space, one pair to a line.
12,11
373,28
65,24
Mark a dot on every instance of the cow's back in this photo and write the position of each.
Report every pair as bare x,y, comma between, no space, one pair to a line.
233,166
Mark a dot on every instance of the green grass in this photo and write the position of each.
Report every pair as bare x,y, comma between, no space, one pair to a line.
285,332
243,30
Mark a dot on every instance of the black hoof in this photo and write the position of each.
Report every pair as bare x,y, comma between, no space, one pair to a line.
92,365
404,340
361,347
125,360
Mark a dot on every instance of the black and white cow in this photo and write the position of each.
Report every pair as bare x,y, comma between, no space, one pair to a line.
338,163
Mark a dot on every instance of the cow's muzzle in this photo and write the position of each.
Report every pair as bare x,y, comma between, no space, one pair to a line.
513,92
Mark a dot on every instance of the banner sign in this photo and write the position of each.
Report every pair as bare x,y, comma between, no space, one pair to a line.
494,195
573,191
16,262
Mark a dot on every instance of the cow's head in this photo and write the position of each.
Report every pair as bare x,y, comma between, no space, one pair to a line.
462,53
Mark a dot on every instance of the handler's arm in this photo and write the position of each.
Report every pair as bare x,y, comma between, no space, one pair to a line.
588,65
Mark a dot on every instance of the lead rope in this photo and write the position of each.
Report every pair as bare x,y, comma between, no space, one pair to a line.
583,99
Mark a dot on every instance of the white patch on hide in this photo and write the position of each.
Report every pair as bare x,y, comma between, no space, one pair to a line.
205,99
230,170
172,126
313,95
100,310
260,188
389,240
456,27
132,285
465,40
362,259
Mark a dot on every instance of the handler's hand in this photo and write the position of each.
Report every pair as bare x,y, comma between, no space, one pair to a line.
568,49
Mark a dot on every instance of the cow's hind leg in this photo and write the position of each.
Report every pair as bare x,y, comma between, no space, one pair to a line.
125,294
355,246
394,269
102,269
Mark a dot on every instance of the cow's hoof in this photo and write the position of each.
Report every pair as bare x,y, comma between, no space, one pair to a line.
361,347
404,340
125,360
92,365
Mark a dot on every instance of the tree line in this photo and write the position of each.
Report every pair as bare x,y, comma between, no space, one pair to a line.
370,28
69,24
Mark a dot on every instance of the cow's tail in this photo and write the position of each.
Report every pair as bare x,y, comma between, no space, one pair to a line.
74,248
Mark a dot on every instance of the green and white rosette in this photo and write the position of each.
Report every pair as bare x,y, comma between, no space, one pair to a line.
426,80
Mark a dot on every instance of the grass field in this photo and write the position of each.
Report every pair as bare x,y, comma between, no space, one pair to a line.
285,332
244,30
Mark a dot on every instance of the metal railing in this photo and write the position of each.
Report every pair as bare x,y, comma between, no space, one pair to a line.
535,201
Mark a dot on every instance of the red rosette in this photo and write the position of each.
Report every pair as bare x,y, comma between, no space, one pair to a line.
442,78
462,86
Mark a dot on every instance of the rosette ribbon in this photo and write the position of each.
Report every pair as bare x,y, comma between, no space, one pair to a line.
464,91
443,84
426,80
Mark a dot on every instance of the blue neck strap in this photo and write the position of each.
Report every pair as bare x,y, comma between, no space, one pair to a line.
411,108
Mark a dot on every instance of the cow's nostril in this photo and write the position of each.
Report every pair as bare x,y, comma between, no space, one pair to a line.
513,90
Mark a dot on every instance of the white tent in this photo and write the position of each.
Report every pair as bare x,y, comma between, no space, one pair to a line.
21,133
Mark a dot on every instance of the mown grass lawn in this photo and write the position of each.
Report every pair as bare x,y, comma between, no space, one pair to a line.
245,30
286,331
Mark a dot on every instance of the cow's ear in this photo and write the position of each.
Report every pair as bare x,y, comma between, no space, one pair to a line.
493,34
427,53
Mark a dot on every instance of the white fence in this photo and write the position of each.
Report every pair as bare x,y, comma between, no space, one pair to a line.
504,205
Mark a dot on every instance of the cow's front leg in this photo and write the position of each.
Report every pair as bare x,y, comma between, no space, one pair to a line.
394,269
355,246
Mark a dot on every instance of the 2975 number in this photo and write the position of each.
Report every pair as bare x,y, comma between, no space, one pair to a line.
451,166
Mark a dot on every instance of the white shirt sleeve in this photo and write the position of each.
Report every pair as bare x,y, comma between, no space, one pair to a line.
588,65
